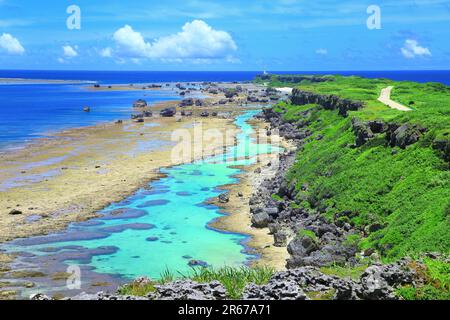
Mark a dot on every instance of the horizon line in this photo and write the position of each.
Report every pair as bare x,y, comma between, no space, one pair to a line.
230,71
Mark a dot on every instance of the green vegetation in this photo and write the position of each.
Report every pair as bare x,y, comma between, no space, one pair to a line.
433,282
137,289
291,80
353,273
321,295
233,279
276,197
293,113
398,198
308,233
143,288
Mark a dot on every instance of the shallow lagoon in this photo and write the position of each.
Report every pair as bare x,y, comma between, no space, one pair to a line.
163,227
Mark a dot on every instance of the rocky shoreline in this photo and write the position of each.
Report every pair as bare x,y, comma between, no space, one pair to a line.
311,240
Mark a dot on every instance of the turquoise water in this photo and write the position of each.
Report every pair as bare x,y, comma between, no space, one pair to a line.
163,227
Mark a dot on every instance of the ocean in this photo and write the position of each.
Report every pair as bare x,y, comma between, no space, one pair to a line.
35,111
29,111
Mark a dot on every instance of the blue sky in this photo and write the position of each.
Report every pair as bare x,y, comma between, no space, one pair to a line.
225,35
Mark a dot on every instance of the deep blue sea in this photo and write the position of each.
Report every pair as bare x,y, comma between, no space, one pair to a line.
28,111
124,77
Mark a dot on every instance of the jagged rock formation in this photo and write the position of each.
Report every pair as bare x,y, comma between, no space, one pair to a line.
404,135
139,104
329,102
189,290
443,146
396,135
377,283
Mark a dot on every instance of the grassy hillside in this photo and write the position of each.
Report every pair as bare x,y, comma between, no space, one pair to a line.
430,101
399,197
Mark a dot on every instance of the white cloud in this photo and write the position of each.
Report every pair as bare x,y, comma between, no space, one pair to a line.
322,52
11,45
70,52
105,53
131,43
197,40
412,49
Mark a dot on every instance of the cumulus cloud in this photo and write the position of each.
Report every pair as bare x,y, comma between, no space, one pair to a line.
322,52
412,49
131,43
11,45
70,52
197,40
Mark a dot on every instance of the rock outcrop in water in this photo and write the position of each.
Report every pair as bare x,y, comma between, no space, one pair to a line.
168,112
187,103
140,104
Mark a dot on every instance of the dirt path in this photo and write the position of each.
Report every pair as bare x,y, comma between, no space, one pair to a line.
385,98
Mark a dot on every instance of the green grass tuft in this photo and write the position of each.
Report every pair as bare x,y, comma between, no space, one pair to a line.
353,273
308,233
233,279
